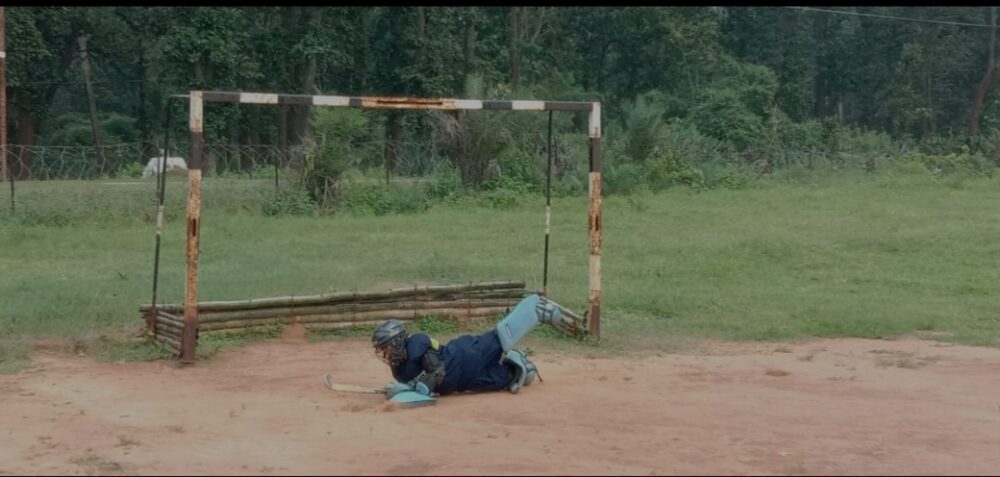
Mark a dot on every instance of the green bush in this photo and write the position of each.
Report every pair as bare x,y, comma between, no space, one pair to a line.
519,171
119,128
638,197
756,85
669,170
555,85
379,199
940,144
683,139
499,199
736,105
987,143
642,122
447,185
721,114
362,198
964,162
729,175
472,139
73,129
333,152
131,170
571,184
910,166
622,178
294,202
864,143
807,135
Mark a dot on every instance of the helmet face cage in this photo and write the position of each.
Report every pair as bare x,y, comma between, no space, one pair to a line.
393,351
389,341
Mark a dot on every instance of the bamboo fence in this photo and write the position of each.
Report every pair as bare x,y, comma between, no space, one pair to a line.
348,309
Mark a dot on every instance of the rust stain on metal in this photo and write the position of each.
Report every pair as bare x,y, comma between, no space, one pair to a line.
390,102
190,328
594,224
188,336
594,316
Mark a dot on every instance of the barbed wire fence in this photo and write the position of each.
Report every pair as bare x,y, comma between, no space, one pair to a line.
132,161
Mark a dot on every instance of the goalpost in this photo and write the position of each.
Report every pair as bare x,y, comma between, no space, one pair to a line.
197,100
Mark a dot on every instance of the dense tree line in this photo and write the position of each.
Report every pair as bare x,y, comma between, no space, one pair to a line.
740,75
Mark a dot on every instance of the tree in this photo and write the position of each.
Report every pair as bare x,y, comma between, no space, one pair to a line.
471,138
514,26
41,45
984,86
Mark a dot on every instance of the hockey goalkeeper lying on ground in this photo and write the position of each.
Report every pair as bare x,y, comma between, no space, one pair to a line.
484,362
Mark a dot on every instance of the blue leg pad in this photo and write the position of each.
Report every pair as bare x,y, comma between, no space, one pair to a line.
525,317
412,399
525,372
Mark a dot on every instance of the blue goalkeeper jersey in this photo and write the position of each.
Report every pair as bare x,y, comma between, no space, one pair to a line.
471,362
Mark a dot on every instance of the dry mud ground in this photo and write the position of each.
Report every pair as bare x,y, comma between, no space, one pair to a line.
817,407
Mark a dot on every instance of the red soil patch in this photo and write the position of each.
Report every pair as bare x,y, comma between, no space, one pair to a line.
821,407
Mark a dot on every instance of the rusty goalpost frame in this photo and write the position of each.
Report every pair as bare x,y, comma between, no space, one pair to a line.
197,100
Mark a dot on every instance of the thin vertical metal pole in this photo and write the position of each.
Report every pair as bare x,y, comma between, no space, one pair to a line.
3,98
594,223
189,333
6,172
161,186
548,211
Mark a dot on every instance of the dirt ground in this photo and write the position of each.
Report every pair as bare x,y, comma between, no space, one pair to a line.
818,407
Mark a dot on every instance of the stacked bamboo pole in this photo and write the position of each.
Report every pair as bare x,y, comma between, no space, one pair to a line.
348,309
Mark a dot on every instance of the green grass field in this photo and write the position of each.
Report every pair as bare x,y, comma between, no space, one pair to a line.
851,255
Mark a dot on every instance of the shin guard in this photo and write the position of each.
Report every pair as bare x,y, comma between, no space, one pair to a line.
525,317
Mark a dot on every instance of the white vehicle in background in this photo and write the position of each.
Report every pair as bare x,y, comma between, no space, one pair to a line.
155,165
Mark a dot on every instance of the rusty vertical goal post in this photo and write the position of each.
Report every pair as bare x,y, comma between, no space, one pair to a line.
197,100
